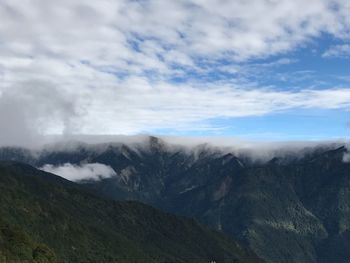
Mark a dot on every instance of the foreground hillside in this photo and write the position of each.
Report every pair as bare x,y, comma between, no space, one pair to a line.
44,218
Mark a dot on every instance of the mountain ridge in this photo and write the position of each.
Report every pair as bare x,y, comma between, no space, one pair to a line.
289,209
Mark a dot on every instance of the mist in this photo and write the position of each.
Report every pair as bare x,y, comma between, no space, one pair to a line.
346,158
88,171
260,151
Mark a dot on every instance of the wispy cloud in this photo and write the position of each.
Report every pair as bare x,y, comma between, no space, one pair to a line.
137,105
89,171
339,51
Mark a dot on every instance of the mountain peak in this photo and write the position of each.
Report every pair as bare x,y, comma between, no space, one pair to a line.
156,143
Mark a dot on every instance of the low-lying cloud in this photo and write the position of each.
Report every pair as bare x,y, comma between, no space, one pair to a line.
260,151
89,171
346,158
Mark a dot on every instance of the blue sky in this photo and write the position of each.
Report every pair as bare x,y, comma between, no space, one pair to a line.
305,67
259,69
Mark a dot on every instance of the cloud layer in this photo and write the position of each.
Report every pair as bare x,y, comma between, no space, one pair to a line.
108,67
134,36
89,171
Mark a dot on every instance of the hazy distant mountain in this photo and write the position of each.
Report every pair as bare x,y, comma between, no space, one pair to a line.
44,218
293,208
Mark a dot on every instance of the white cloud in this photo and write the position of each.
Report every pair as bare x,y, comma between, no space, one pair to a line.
89,171
79,67
164,32
134,105
32,108
140,106
339,51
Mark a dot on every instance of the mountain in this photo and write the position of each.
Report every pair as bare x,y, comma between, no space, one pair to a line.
290,209
45,218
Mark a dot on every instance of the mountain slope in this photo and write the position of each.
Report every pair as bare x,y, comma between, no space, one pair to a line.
54,220
291,209
17,246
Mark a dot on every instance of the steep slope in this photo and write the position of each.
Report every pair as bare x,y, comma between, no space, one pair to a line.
50,219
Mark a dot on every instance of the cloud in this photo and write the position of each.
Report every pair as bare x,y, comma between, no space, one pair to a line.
89,171
260,151
338,51
106,67
346,158
137,105
138,35
32,109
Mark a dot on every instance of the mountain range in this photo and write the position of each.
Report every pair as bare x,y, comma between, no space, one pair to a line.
288,209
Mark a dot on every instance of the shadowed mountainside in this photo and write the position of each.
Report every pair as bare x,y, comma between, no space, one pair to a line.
45,218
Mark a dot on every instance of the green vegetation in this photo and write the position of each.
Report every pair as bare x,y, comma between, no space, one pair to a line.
16,246
45,218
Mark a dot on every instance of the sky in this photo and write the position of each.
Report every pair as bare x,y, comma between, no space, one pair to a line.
253,69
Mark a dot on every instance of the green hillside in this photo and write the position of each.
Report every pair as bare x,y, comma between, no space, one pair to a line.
44,218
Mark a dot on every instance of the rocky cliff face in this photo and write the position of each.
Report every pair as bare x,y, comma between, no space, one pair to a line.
287,210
